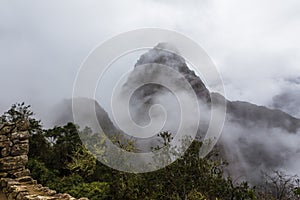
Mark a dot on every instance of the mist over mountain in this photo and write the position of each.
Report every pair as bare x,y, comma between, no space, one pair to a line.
254,138
288,99
64,109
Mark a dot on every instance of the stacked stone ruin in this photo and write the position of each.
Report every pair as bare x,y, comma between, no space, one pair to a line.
15,180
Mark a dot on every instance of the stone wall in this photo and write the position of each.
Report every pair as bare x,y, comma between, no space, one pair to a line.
15,180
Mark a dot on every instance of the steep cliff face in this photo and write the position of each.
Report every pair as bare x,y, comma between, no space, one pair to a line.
15,180
167,55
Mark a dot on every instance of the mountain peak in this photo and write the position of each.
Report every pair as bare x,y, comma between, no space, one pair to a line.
164,54
168,55
167,46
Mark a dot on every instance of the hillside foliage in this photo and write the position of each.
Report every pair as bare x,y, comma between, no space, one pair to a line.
59,160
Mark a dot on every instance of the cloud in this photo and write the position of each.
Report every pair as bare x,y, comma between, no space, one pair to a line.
254,44
252,151
288,99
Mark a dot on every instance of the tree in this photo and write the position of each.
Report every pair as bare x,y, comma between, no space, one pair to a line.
279,185
64,141
83,162
20,112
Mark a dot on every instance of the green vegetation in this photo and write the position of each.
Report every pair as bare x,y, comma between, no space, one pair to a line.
59,160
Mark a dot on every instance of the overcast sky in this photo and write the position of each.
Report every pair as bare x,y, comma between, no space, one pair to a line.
255,44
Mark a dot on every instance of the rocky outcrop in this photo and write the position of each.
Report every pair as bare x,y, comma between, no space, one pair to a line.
15,180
